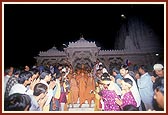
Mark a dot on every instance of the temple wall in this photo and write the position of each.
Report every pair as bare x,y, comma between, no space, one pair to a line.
110,58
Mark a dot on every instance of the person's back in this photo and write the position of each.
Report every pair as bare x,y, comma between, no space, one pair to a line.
90,86
82,87
11,82
74,90
17,102
8,74
62,98
24,79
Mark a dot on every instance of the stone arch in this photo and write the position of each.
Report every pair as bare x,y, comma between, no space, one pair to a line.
115,62
79,61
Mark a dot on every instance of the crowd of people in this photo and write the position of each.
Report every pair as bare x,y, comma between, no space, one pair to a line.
58,88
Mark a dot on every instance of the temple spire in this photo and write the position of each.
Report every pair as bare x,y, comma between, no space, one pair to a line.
81,36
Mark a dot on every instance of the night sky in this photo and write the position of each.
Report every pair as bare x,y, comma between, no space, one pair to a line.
31,28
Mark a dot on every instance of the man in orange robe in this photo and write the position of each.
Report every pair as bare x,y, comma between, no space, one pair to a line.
82,88
74,90
90,87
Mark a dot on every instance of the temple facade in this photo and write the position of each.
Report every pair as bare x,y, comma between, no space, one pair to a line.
83,52
135,41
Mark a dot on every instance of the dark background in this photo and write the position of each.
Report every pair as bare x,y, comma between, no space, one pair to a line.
30,28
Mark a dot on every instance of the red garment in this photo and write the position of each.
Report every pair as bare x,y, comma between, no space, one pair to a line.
62,98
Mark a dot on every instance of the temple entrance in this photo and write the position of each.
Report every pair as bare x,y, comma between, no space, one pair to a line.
83,63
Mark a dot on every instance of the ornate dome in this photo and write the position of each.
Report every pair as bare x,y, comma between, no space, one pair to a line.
53,49
82,43
81,40
52,52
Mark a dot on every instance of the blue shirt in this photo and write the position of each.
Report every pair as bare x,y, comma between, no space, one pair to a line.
146,90
118,76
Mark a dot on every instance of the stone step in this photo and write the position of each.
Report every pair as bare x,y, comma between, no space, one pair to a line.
83,105
85,101
81,109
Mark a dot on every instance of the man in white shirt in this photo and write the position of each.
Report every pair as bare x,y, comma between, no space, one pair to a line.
24,79
8,74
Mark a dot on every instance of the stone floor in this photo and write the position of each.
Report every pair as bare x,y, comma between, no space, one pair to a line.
85,107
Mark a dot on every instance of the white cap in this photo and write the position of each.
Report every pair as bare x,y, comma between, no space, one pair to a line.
106,82
158,67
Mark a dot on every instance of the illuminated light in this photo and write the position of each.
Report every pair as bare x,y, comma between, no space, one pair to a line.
157,54
123,16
